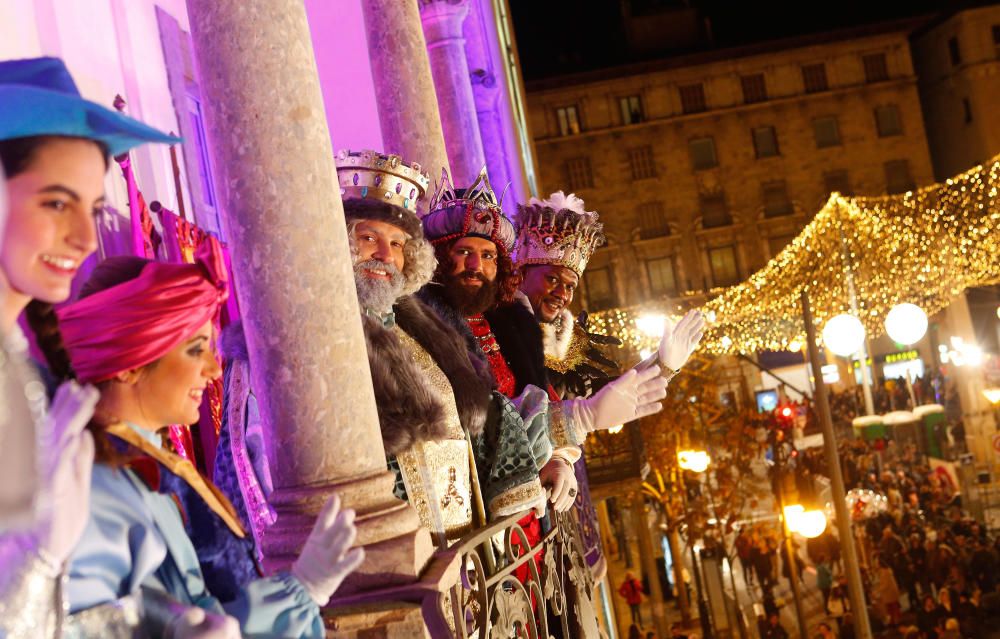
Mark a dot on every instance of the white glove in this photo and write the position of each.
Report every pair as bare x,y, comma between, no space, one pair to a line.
67,459
633,395
327,558
196,623
558,476
678,342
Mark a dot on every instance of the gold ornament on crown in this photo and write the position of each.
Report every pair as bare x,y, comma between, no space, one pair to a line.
556,231
370,174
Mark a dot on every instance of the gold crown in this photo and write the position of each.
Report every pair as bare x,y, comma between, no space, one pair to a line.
557,231
369,174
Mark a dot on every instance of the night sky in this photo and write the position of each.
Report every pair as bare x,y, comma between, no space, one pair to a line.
556,37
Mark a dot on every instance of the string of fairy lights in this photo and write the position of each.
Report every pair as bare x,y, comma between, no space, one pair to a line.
923,247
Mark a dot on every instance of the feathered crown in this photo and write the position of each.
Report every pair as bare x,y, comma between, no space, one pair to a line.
557,231
473,211
369,174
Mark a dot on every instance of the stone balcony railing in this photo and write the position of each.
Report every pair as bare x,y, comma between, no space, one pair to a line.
471,590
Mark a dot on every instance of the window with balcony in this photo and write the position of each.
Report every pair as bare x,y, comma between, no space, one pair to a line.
775,196
599,289
652,221
569,120
814,77
642,163
826,131
579,174
887,121
722,260
693,98
702,152
876,68
754,88
631,109
714,212
765,142
662,278
897,177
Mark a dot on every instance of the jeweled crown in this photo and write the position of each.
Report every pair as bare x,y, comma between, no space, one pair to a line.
474,211
556,231
370,174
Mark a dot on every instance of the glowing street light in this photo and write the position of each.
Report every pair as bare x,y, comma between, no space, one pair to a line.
651,325
696,461
906,323
992,395
811,524
844,334
808,523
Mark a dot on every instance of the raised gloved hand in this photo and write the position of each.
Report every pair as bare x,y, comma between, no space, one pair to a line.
633,395
327,557
558,476
196,623
678,342
67,459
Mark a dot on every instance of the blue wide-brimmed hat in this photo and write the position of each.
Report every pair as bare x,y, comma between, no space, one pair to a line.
38,97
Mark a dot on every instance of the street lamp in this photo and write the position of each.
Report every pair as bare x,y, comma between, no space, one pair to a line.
992,395
696,461
906,323
844,334
808,523
651,324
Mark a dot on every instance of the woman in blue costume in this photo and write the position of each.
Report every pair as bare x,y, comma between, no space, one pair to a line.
54,149
142,332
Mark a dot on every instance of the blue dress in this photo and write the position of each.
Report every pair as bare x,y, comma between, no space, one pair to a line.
136,537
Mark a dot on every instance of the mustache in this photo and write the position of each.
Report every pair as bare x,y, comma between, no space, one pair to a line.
471,274
388,267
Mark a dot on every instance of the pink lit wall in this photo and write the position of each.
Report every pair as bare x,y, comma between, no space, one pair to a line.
341,48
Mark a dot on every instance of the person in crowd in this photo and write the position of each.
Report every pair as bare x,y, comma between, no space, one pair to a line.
888,592
824,581
631,590
143,333
54,152
771,628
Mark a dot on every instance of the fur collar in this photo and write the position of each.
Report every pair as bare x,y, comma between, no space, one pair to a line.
472,388
557,335
407,411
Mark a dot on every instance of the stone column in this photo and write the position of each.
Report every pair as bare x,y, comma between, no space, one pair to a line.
442,20
648,557
276,178
404,88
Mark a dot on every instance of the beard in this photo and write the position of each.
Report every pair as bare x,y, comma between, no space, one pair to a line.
375,294
469,301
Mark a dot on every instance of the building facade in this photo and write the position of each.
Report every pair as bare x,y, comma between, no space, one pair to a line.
958,58
703,167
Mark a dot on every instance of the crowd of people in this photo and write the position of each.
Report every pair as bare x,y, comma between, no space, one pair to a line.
464,312
929,569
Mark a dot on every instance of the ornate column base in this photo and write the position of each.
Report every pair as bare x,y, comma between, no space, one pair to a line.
396,548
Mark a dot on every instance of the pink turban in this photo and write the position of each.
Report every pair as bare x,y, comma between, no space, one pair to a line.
138,322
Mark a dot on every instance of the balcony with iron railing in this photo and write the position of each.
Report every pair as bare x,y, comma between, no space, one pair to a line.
488,586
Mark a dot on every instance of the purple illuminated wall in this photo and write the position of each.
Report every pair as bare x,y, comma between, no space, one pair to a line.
338,35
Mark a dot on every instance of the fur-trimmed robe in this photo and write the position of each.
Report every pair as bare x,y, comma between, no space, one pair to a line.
409,411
